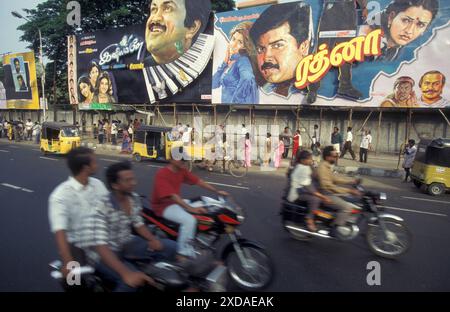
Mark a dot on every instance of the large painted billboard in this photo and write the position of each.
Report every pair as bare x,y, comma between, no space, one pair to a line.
358,53
19,88
161,61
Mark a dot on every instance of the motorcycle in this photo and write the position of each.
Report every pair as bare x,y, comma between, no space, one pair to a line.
248,264
205,276
387,234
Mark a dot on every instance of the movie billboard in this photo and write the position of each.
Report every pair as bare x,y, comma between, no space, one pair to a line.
19,88
358,53
165,60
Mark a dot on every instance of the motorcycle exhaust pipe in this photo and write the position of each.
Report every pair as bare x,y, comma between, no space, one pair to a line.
303,231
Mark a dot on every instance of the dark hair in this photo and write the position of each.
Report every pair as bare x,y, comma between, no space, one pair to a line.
413,142
20,76
316,126
432,72
244,29
247,136
112,172
336,128
349,129
103,75
298,15
77,158
327,151
302,155
16,60
398,6
84,79
94,64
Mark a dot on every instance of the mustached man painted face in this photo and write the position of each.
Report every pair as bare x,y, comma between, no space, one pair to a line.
166,35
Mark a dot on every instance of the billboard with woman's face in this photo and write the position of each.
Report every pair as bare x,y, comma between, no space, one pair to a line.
334,53
160,61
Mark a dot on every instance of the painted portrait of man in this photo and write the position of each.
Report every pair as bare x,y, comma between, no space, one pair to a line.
432,85
172,27
282,36
403,96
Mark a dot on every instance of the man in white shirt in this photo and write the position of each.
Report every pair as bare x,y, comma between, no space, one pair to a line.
348,144
366,144
72,204
114,132
29,129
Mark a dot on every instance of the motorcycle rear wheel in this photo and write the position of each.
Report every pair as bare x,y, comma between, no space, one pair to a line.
295,234
399,240
257,276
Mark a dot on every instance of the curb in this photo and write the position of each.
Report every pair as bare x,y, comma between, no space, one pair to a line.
373,172
108,147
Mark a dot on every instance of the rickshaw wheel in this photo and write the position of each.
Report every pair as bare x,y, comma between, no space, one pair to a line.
137,158
436,189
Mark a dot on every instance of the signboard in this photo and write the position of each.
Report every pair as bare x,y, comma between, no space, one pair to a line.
357,53
19,88
161,61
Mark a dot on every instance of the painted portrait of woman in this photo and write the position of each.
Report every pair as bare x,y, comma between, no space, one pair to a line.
86,91
94,72
103,91
402,22
235,76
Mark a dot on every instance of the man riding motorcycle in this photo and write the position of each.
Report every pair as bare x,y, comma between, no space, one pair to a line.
112,246
333,187
167,202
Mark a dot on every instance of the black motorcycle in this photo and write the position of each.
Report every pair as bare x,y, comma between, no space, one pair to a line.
387,234
204,275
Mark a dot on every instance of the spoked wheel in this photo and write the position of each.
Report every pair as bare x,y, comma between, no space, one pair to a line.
237,168
393,242
254,272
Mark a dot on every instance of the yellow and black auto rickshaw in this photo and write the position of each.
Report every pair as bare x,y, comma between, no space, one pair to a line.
59,137
431,168
155,142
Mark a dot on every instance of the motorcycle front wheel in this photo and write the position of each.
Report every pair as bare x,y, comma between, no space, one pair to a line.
254,272
390,244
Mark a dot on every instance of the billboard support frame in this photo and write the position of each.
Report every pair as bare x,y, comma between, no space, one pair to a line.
378,130
445,117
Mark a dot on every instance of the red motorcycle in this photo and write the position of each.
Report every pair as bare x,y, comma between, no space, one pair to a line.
248,263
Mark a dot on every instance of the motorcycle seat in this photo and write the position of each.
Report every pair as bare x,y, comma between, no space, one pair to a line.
151,214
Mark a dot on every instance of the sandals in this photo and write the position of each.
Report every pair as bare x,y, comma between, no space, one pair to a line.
311,225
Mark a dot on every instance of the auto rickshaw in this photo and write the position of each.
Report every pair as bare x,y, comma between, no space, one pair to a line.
155,142
59,137
431,168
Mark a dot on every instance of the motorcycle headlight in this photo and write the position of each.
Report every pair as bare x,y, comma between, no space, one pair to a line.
383,196
241,218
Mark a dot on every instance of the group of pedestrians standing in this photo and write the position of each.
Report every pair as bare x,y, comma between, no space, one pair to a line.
21,131
347,145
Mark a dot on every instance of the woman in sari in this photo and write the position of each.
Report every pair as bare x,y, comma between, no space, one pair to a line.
279,152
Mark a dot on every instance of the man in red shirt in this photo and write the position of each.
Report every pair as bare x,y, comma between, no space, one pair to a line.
167,202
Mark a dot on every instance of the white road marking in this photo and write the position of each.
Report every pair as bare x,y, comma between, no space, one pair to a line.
417,211
17,187
4,151
108,160
48,158
155,166
428,200
228,185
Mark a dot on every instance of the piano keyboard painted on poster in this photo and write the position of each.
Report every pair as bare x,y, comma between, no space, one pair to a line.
165,80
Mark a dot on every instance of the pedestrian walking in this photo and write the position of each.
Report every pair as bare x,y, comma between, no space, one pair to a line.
29,130
101,132
267,149
409,154
336,140
366,145
114,132
348,144
107,128
95,131
296,144
131,131
315,138
280,149
248,150
287,138
37,128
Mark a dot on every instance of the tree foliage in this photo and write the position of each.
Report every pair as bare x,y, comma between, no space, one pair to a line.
50,16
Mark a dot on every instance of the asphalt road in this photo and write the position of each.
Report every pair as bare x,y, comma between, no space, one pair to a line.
27,246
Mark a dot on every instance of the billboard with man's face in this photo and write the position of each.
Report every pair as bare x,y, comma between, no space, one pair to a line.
160,61
385,53
19,88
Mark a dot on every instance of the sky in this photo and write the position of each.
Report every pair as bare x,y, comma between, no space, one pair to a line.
9,35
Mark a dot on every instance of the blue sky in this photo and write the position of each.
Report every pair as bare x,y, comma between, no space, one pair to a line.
9,35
